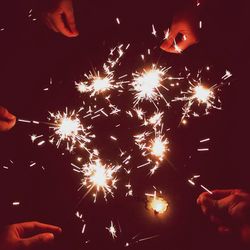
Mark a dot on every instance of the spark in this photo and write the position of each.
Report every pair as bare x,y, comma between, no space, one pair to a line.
156,119
146,85
97,83
35,137
16,203
202,96
158,147
166,34
205,140
154,31
112,230
68,128
118,20
99,176
202,149
177,48
192,181
206,189
200,24
227,75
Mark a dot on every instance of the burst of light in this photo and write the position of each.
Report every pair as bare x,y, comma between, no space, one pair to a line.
67,128
100,177
112,230
202,94
146,85
101,84
97,83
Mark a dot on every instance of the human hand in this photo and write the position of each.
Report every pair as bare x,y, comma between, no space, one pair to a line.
27,236
61,19
7,120
229,210
184,23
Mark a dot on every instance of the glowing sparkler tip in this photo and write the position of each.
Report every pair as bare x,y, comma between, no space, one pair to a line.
202,94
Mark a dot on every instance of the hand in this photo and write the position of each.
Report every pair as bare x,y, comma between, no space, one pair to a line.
229,210
184,23
7,120
27,235
61,19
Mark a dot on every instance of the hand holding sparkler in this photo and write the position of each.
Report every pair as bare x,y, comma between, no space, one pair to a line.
7,120
28,235
229,210
184,23
61,18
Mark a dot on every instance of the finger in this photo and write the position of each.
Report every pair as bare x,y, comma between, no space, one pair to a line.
168,44
37,227
216,194
5,115
51,25
37,240
60,26
70,19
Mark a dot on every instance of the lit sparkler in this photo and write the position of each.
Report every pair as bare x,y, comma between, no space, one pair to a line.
69,129
99,176
146,85
200,95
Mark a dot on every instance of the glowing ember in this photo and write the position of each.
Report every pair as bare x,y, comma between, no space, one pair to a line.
158,204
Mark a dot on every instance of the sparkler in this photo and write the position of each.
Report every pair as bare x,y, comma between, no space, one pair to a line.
145,85
101,177
68,128
202,96
97,83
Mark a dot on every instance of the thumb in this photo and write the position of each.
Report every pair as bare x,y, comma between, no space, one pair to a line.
38,240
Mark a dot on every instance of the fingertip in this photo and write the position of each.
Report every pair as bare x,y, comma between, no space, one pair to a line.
49,236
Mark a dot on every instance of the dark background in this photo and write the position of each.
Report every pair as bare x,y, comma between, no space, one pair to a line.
30,55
